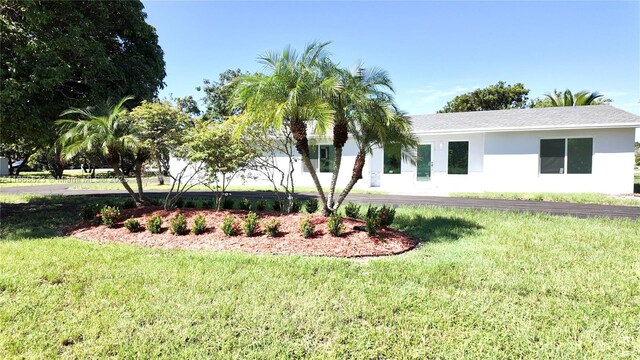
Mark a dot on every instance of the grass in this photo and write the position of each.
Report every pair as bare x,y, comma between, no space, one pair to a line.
483,284
582,198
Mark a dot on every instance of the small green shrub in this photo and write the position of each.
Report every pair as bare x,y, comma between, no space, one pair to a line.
207,204
154,224
245,204
295,207
129,203
311,205
199,224
133,225
227,203
372,225
190,204
250,224
307,228
386,215
178,225
335,224
352,210
277,205
109,215
91,212
261,205
180,203
230,226
272,227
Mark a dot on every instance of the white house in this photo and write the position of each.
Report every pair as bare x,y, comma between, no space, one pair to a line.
560,149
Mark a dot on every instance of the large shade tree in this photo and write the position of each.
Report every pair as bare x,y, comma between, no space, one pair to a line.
494,97
107,131
61,54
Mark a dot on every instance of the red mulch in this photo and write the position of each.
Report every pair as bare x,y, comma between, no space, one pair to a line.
352,244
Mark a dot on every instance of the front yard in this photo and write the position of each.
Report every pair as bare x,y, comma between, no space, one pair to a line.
483,284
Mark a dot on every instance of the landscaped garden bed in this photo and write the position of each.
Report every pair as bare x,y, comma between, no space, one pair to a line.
289,240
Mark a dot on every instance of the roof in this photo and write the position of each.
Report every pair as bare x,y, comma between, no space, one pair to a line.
551,118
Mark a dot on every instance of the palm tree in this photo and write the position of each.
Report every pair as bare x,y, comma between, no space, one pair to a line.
567,98
352,99
293,93
109,133
379,125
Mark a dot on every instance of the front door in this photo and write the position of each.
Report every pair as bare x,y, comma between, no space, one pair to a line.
424,162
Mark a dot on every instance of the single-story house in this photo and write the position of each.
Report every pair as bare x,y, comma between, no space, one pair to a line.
558,149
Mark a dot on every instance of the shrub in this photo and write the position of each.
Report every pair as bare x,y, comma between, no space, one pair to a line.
154,224
307,228
386,215
190,204
261,205
311,205
250,224
372,225
199,224
229,226
245,204
352,210
133,225
178,225
277,205
109,215
129,204
91,212
180,203
335,224
295,207
227,203
272,227
207,204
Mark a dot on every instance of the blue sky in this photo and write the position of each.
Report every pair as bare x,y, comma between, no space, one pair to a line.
432,50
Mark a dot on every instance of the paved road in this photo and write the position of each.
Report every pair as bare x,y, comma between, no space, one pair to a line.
555,208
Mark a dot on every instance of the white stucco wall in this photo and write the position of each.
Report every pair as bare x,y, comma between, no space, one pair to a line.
512,162
498,162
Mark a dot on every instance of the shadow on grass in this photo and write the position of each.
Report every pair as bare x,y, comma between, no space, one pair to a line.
41,217
436,228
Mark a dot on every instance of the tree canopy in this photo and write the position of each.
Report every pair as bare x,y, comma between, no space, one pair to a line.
61,54
494,97
567,98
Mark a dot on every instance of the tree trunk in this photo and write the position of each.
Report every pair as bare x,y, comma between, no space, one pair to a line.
123,181
355,176
307,161
141,157
334,178
23,164
160,176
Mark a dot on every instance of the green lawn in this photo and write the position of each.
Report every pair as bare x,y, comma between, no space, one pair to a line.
582,198
484,284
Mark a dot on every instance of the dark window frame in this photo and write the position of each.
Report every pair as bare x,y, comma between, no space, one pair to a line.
453,167
569,166
389,169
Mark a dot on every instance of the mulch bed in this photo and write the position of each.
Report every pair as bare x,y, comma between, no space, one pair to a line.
352,244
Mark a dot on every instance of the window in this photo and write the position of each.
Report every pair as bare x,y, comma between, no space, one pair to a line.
392,159
552,156
458,157
313,155
327,157
570,156
579,156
